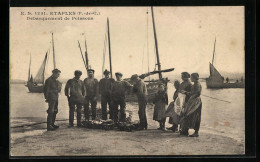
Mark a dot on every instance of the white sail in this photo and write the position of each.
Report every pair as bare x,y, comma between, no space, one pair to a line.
39,78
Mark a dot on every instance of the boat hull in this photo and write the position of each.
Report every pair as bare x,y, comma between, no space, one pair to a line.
131,97
152,89
35,88
216,85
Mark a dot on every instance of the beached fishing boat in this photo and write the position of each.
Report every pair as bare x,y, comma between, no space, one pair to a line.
36,84
216,80
152,85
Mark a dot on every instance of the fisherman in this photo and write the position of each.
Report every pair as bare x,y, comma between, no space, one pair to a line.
105,89
75,92
140,90
119,89
51,89
91,86
227,79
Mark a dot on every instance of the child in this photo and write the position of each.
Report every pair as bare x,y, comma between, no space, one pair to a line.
160,101
170,111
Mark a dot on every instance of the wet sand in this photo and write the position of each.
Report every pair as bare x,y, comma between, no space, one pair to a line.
94,142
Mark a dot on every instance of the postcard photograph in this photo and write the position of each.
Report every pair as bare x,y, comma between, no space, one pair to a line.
134,81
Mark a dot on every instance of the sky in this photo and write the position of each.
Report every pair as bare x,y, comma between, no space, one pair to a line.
185,37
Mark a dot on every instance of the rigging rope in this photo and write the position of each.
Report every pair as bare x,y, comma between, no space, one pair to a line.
27,125
143,60
215,98
154,58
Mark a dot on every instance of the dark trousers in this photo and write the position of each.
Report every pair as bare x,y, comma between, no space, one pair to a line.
73,106
105,99
90,100
119,102
52,111
142,113
162,123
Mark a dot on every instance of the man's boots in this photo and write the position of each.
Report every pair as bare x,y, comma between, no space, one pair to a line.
49,123
53,121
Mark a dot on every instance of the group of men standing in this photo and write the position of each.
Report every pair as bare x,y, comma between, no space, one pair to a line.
85,93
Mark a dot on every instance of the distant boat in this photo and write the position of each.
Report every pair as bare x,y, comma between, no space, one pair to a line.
215,79
36,84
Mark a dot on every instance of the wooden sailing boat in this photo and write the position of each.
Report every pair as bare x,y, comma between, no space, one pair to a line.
36,84
151,85
215,79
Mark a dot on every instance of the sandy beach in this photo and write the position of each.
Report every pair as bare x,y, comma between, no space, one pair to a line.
96,142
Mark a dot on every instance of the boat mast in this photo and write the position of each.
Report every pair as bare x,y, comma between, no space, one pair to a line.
156,46
86,53
82,57
109,47
29,73
54,63
214,51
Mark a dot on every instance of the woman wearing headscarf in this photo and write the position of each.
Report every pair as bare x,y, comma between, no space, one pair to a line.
184,86
192,111
161,101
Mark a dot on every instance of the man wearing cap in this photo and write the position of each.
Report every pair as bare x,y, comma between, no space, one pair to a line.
105,89
51,89
141,92
75,92
119,89
91,86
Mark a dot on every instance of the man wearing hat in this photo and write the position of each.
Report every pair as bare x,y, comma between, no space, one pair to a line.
75,92
141,92
105,89
51,89
119,89
91,86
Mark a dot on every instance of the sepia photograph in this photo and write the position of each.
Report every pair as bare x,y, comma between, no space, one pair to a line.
127,81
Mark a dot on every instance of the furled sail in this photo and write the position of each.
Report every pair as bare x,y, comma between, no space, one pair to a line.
214,74
39,78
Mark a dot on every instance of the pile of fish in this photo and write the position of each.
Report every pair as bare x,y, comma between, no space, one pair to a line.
110,125
128,126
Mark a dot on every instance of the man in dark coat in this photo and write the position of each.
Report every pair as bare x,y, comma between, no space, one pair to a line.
51,89
141,92
119,89
91,86
105,89
75,92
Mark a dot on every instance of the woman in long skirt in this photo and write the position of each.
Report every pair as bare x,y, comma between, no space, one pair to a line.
184,86
170,110
192,111
160,101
